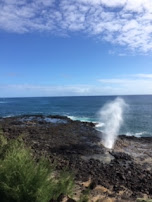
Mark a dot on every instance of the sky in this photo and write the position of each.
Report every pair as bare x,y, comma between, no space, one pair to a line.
76,47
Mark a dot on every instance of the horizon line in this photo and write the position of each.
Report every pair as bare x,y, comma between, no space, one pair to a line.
75,96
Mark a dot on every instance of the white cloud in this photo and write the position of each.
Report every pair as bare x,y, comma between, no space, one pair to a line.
134,84
115,81
27,90
140,84
109,3
139,5
144,76
122,22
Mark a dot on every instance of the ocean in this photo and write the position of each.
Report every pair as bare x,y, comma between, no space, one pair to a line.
137,117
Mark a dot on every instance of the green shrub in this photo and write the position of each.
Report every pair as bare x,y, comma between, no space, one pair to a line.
84,197
24,179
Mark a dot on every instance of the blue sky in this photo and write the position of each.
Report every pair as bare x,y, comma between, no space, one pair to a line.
83,47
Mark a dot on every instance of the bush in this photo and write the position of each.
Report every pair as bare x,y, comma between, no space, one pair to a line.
24,179
84,197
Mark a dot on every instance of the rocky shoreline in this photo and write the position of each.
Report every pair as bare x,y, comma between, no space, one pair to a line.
121,174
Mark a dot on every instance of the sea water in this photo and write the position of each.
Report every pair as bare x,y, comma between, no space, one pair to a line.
137,117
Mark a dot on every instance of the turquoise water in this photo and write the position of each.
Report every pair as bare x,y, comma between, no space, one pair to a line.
137,116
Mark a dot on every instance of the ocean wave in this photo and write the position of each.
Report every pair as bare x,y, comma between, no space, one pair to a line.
54,120
139,134
99,125
83,119
9,115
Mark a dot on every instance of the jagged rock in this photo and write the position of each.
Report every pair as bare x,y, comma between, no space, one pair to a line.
74,144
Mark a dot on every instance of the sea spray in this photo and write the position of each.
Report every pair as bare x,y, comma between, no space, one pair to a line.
111,117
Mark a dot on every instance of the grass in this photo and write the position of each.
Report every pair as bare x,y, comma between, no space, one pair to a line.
143,200
85,195
24,179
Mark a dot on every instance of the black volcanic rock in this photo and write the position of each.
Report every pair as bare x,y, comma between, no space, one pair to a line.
75,145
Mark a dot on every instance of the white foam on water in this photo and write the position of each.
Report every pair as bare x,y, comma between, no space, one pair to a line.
83,119
139,134
100,125
54,120
72,118
8,116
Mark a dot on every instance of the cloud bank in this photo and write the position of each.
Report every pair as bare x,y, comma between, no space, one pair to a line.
127,23
131,85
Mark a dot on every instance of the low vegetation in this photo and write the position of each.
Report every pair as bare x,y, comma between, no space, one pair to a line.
144,200
24,179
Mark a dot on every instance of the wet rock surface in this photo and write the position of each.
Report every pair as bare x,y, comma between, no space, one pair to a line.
124,171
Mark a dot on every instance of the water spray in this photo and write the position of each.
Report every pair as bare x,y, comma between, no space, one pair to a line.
111,115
